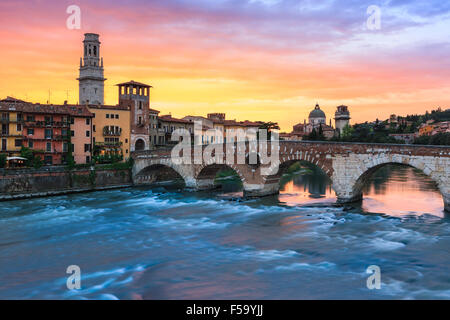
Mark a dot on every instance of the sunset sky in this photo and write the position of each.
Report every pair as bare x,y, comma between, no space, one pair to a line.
268,60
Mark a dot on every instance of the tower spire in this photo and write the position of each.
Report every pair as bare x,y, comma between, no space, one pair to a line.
91,80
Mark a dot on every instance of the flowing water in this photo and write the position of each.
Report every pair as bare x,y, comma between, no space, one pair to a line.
156,243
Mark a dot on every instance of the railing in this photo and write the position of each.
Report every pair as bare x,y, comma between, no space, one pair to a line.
112,133
47,123
53,138
109,144
7,134
8,120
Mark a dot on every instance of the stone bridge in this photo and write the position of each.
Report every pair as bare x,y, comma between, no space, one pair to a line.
348,165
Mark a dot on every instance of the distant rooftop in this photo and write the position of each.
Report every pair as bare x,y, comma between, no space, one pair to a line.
134,83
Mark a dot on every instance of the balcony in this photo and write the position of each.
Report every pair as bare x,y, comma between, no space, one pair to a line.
109,144
48,138
8,120
53,124
107,132
7,134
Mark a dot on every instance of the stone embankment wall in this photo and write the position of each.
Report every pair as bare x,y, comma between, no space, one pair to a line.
47,181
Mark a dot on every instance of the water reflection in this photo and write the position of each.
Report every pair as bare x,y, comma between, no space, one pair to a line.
312,187
400,190
393,189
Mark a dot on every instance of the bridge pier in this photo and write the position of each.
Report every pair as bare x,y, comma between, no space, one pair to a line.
446,197
205,184
261,190
348,191
349,199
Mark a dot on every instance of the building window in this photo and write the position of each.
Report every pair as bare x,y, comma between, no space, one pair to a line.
48,160
88,159
88,121
87,148
93,127
18,142
30,131
126,151
140,120
140,105
48,133
65,147
72,147
88,133
30,118
126,140
72,133
107,116
72,120
117,116
48,120
31,144
19,127
4,144
49,147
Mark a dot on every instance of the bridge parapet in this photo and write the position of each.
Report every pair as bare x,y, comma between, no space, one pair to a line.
348,165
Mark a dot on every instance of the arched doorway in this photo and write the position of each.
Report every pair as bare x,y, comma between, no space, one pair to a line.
140,145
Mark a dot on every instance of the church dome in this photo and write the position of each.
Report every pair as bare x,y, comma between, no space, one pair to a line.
317,113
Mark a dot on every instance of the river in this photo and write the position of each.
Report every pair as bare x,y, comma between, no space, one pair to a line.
158,243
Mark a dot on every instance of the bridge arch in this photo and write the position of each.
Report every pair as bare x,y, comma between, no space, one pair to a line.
206,174
160,170
271,181
353,190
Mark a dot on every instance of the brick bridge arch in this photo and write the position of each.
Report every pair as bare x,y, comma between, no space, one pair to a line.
350,188
142,173
347,164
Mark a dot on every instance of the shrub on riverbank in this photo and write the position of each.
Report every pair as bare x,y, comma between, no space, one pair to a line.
228,176
3,160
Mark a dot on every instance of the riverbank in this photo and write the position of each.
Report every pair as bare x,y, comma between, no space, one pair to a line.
58,180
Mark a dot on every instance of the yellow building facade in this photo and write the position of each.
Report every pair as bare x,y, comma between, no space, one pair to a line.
111,130
11,123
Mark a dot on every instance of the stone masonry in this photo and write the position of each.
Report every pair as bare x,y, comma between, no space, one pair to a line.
348,165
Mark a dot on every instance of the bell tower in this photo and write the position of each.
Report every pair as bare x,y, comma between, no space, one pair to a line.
342,118
91,80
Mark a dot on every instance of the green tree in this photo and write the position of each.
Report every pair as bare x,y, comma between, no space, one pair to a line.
347,132
3,158
269,126
28,154
37,162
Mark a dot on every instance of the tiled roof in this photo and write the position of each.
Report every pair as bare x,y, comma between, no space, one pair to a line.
134,83
108,107
78,110
25,107
12,100
169,118
245,123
